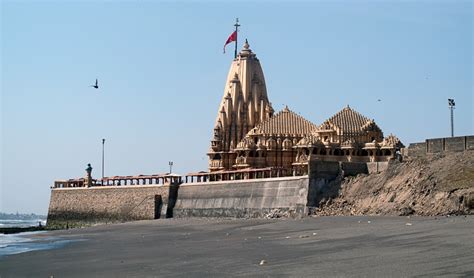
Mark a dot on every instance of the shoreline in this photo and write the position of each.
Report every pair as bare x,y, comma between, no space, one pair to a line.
28,241
367,246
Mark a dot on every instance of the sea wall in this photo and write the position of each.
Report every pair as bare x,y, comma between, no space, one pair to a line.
269,197
71,207
273,197
244,198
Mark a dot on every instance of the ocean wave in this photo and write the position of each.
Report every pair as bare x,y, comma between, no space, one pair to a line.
20,243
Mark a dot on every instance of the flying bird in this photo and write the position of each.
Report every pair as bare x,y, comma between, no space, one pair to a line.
96,84
379,100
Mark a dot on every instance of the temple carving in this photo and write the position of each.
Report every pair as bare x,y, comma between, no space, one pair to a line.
248,135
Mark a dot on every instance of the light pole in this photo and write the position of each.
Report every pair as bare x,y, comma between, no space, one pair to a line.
170,163
103,147
452,105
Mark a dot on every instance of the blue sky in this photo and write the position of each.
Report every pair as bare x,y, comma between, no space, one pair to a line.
162,71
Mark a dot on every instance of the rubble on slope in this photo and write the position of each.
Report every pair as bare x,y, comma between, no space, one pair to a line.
442,184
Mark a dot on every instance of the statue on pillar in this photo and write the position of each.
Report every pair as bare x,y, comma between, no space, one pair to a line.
88,179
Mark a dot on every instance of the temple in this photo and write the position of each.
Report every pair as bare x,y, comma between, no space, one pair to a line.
262,163
248,135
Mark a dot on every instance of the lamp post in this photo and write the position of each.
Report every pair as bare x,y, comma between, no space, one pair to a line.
103,147
170,163
452,106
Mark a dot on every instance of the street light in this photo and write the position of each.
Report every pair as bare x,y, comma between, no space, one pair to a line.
103,146
452,105
170,163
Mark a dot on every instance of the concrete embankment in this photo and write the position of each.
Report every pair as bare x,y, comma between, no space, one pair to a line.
243,199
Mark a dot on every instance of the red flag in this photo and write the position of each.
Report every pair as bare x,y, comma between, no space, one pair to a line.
232,38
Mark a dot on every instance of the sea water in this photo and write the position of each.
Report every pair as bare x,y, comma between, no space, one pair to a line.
21,223
28,241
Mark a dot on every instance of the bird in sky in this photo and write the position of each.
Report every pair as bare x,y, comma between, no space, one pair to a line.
379,100
96,84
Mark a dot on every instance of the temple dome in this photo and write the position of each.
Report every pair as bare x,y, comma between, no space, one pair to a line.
349,121
285,122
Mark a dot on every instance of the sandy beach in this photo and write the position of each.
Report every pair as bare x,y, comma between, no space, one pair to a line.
317,247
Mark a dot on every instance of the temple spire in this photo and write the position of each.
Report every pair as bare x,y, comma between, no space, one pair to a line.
244,105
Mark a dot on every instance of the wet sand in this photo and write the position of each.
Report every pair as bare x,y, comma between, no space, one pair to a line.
315,247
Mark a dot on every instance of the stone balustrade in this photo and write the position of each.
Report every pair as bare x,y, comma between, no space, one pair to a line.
167,179
158,179
244,174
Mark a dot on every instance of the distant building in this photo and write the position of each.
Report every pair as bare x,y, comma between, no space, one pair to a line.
248,135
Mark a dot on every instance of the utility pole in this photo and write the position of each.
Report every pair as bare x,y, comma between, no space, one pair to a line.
452,106
103,147
237,25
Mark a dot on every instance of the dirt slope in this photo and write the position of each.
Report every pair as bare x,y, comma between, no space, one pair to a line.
439,185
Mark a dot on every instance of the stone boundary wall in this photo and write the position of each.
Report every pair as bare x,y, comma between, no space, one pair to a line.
331,169
71,207
243,198
439,145
415,150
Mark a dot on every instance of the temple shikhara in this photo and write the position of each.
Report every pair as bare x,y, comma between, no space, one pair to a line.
248,134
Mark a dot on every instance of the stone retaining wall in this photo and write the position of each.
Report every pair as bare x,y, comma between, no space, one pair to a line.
354,168
377,167
70,207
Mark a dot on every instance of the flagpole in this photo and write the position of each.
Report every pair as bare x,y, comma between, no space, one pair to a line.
236,36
